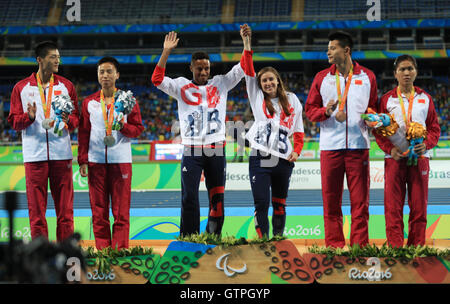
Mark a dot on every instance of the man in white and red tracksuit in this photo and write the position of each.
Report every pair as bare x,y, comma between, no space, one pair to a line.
108,167
344,138
46,155
417,107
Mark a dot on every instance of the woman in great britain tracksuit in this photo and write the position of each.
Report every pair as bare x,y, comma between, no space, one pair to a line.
278,115
408,104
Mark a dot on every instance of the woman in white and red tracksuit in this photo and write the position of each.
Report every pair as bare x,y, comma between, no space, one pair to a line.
278,115
397,174
108,167
46,155
344,141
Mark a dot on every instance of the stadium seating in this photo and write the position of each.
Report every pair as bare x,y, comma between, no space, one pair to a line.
393,9
259,10
435,43
141,11
30,12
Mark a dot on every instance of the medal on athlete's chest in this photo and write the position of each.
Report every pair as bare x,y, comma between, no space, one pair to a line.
109,140
46,103
46,123
108,118
341,116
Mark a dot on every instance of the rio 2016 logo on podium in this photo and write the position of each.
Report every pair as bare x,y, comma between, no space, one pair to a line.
374,273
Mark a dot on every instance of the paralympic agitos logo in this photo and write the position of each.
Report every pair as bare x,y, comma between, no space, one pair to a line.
228,270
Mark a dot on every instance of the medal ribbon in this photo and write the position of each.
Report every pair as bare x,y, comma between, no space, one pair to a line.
343,99
407,119
46,105
107,117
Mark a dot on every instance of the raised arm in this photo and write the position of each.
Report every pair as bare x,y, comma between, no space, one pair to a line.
246,59
232,78
255,94
170,43
246,35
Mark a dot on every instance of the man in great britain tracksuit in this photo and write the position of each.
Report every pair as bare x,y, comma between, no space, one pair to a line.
46,155
202,109
338,97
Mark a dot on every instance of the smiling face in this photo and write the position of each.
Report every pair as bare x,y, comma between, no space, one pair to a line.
268,82
405,73
50,63
200,69
107,75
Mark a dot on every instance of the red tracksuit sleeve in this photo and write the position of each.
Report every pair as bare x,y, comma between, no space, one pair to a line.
84,134
432,125
298,142
314,109
383,142
158,75
247,63
17,118
74,117
133,127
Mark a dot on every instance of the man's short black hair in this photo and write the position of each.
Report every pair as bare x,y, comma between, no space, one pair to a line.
344,38
199,56
110,60
42,48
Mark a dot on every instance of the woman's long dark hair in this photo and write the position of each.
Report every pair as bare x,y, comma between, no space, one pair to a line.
281,92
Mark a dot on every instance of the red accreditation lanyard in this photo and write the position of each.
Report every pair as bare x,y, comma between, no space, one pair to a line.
46,104
107,117
408,118
343,99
